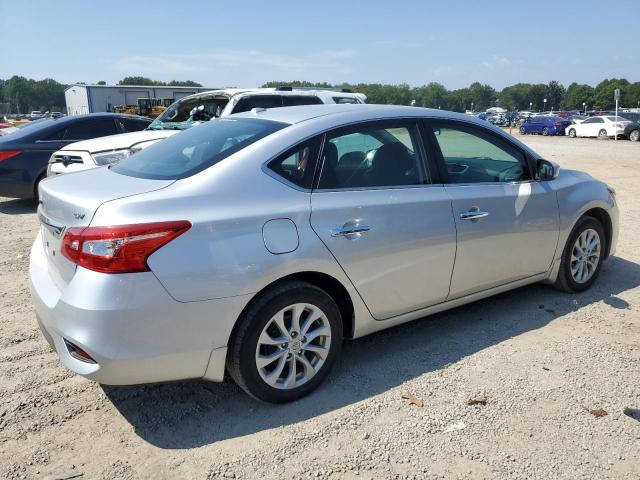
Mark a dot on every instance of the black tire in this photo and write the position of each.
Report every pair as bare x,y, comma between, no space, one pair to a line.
634,135
603,134
572,133
241,360
545,131
522,131
565,280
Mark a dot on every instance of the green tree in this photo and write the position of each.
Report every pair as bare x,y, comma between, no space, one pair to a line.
603,95
576,95
101,82
183,83
555,95
140,81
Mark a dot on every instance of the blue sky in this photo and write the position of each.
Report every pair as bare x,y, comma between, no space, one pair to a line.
246,43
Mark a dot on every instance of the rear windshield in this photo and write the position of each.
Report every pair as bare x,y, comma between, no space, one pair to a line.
196,149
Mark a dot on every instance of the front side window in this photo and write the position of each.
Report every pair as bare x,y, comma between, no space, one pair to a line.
182,114
373,156
294,100
474,156
246,104
132,124
298,164
92,128
196,149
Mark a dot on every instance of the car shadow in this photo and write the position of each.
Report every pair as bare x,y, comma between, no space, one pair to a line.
18,206
190,414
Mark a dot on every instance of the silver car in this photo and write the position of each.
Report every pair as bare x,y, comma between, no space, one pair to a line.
252,245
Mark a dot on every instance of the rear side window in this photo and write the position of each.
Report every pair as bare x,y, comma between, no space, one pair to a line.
196,149
91,128
382,155
246,104
132,125
344,100
294,100
57,135
298,164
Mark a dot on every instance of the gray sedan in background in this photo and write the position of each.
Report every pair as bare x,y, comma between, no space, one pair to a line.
252,245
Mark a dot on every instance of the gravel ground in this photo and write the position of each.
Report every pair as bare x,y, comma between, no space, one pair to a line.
542,359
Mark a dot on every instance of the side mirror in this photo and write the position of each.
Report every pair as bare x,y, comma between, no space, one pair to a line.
547,170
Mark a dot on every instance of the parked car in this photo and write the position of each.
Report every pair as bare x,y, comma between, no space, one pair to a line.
253,244
577,119
632,129
185,113
24,155
36,114
544,125
6,129
599,126
56,115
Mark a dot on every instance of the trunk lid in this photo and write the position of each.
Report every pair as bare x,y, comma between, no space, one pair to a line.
71,201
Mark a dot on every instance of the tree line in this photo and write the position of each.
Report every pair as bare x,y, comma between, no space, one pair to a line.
21,95
479,97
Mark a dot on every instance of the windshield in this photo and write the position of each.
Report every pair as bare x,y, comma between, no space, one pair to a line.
179,117
188,153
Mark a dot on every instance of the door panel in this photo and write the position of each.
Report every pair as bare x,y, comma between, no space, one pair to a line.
516,239
404,261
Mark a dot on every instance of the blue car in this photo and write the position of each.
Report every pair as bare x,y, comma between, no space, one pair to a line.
24,155
545,125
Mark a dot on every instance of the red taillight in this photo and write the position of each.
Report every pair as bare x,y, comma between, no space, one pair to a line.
119,249
78,353
557,124
7,154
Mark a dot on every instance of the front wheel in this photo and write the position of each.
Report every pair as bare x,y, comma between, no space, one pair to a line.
603,134
522,131
286,343
634,136
545,131
582,257
572,133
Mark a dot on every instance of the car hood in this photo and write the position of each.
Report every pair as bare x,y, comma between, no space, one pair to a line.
116,142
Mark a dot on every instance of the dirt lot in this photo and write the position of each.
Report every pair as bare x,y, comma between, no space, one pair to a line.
542,358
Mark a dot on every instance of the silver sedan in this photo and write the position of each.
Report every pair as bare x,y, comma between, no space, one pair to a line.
252,245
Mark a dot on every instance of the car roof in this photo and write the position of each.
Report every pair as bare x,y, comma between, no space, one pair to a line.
352,112
231,92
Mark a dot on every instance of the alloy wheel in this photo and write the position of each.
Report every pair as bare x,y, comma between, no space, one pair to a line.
634,136
585,255
293,346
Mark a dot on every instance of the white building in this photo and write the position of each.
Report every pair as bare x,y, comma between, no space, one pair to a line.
102,98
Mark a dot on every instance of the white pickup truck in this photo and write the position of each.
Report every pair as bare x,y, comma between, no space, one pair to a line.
183,114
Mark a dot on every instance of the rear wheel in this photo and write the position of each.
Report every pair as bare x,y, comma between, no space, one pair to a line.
545,131
572,133
603,134
634,136
286,343
582,257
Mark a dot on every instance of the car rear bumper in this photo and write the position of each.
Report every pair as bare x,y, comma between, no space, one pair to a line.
135,331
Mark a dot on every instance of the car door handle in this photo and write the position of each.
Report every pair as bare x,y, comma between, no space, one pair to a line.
473,215
346,231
